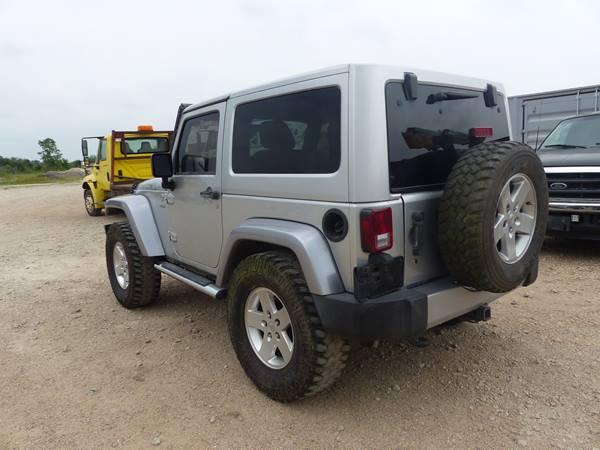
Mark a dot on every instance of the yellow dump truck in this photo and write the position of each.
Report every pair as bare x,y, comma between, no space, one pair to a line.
123,159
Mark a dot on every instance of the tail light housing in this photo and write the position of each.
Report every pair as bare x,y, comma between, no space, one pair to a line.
376,230
481,132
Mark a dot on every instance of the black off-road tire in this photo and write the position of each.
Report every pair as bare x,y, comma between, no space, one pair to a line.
318,358
467,215
144,279
89,204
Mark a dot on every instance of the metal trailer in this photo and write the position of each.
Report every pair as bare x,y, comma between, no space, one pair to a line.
533,116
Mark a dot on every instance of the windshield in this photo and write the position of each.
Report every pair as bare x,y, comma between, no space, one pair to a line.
146,145
579,132
427,135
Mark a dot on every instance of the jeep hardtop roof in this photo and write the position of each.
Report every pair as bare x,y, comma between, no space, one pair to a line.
378,72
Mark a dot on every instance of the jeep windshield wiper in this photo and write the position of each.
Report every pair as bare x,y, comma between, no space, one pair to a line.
445,96
564,146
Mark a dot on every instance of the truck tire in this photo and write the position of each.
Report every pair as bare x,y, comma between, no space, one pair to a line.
133,278
492,216
88,201
276,332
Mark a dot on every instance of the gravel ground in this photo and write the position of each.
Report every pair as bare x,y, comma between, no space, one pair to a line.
78,371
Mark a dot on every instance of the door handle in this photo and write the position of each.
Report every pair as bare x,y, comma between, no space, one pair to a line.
210,194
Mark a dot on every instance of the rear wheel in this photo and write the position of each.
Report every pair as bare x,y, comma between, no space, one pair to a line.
276,332
88,200
133,278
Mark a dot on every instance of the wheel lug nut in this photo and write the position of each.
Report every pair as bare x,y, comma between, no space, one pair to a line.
277,322
263,323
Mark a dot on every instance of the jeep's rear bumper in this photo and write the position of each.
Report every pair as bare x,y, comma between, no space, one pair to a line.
400,314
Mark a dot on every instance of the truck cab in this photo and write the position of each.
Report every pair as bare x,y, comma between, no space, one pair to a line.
122,160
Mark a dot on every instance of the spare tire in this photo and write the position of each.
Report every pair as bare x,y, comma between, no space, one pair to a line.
492,216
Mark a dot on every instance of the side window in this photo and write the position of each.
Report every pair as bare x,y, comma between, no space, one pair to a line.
292,133
197,149
102,150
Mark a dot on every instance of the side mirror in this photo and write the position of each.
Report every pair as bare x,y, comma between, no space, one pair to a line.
84,149
162,167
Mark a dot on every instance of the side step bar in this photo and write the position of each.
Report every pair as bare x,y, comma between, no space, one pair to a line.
192,279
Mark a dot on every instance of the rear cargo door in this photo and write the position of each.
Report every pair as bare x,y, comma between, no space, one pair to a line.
426,136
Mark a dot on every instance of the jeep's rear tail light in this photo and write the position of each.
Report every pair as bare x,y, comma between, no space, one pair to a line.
481,132
376,231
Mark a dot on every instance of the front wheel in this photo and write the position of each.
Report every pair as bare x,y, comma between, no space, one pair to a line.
88,201
276,332
133,278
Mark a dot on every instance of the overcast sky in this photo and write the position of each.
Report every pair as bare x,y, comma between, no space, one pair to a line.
75,68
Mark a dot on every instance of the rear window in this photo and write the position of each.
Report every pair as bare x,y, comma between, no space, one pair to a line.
146,145
293,133
427,135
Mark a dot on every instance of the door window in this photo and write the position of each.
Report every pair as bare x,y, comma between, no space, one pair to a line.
102,150
197,149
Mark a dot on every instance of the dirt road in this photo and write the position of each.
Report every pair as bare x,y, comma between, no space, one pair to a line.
78,371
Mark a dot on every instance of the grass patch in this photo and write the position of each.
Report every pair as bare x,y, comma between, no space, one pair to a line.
10,179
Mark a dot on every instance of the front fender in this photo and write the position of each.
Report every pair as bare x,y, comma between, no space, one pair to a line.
305,241
139,214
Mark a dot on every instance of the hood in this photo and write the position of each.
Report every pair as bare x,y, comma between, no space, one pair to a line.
570,157
153,184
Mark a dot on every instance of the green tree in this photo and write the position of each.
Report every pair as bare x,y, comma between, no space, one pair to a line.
51,156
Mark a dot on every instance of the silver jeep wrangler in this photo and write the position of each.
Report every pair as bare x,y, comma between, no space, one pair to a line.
355,203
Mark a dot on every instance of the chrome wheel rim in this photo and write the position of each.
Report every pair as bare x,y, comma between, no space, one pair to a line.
89,202
120,265
269,328
516,212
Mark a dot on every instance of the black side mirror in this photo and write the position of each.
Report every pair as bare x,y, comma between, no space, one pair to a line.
84,149
162,167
